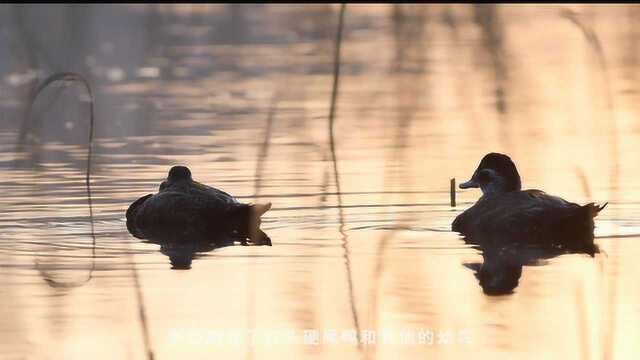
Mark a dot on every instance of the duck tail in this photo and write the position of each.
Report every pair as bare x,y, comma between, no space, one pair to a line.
593,209
251,227
259,209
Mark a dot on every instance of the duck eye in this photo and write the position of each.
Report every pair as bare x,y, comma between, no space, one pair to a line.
484,175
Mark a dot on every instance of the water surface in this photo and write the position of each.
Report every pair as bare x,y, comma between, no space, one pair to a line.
241,95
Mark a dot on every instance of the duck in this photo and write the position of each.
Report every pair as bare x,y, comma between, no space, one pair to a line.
505,211
186,209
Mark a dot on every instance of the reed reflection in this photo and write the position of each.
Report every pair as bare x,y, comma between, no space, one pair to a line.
55,269
490,23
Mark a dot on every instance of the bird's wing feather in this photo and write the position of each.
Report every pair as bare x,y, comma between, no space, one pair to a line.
513,213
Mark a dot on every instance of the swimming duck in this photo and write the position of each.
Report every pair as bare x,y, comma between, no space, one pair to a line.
527,216
184,208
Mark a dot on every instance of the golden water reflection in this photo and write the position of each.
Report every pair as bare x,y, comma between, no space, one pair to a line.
425,92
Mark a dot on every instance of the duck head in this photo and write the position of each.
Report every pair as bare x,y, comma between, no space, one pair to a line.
178,173
495,174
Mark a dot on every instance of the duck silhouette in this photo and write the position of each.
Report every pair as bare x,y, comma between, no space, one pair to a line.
515,228
186,209
504,211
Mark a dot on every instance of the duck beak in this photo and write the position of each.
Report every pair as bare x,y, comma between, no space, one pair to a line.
469,184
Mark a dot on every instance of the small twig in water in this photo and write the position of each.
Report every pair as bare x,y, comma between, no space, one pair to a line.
453,192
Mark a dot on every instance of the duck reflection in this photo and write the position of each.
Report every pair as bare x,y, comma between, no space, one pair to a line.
504,257
183,248
181,252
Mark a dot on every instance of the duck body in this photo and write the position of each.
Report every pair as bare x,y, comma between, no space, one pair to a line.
523,216
529,216
184,208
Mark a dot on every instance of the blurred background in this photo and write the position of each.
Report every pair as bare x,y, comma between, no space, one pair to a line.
242,95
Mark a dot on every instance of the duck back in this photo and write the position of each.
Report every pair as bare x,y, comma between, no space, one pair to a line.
172,214
530,216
